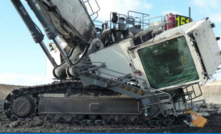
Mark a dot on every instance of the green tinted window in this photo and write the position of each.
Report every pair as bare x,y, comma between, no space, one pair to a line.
168,63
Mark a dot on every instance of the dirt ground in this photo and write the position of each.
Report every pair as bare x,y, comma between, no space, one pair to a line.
47,127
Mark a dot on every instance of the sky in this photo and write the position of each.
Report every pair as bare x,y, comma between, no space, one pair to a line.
22,62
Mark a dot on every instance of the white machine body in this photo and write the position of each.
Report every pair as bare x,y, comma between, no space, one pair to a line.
121,61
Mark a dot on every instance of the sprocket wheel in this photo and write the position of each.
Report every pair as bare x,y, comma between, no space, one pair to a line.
23,106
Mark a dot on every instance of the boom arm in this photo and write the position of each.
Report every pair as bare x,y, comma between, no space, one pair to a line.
70,15
34,30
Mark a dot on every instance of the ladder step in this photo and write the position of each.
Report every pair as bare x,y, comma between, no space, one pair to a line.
133,90
140,92
189,93
127,88
121,86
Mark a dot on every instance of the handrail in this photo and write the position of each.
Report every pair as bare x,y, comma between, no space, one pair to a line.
93,12
144,15
103,67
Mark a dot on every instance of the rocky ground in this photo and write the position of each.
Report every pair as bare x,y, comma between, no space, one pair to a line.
43,126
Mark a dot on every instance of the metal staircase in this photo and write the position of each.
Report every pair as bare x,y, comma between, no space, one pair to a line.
162,100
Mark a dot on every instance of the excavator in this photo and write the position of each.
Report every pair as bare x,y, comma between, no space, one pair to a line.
130,69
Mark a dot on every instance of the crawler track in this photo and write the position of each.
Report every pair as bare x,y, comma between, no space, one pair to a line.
26,98
40,125
30,95
36,124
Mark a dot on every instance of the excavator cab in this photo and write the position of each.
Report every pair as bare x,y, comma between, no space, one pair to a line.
168,63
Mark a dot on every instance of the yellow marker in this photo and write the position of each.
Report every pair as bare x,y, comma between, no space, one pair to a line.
140,92
127,88
188,112
198,120
120,86
133,90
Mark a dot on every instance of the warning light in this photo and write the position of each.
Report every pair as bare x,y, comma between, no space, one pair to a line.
138,73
